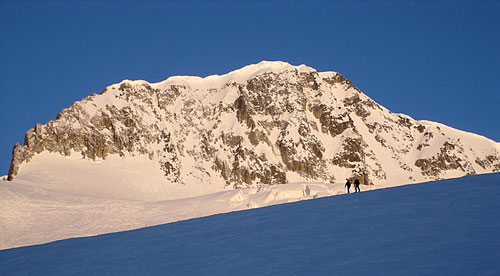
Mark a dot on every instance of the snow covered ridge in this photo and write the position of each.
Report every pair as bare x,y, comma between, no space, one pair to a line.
267,123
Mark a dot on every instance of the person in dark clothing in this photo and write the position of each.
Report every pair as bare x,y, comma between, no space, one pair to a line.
356,186
348,185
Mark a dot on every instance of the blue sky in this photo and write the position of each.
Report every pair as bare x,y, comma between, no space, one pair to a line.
433,60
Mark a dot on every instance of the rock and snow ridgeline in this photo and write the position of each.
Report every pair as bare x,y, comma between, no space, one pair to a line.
267,123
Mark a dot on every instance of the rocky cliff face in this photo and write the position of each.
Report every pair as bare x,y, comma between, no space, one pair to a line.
267,123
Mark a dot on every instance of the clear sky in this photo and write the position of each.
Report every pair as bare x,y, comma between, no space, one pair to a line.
432,60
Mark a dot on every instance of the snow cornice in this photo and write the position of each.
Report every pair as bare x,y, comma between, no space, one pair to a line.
241,75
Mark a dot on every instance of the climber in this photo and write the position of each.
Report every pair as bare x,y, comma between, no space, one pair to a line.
348,185
356,186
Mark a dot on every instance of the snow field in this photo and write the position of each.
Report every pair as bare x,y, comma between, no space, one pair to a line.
448,227
42,205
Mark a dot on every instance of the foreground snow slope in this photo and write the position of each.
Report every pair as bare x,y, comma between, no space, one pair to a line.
39,207
448,227
59,197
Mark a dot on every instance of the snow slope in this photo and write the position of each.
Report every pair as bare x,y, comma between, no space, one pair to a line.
449,227
111,195
59,197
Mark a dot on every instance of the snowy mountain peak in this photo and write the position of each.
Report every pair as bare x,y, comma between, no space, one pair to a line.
240,76
276,67
266,123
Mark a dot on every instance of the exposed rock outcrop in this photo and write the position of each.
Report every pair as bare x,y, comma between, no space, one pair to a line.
268,123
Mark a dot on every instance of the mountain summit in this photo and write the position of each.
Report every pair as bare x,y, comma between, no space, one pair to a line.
266,123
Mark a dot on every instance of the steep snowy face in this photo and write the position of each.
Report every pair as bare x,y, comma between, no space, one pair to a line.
267,123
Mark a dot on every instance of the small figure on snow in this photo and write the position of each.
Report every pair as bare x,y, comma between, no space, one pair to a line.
348,185
356,186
